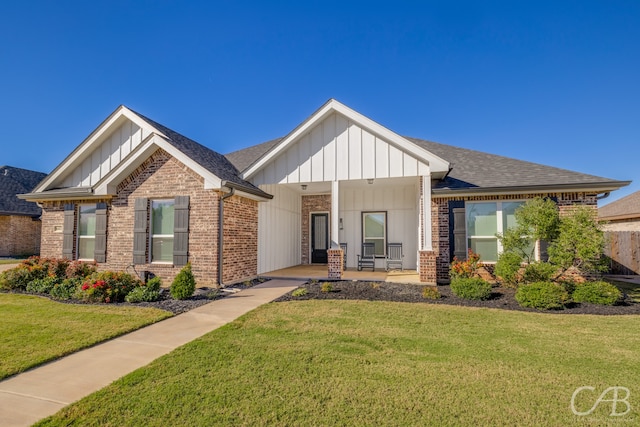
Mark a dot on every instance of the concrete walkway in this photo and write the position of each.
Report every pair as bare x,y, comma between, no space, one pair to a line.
43,391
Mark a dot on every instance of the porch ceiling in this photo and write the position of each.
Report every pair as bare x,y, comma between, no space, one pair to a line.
324,187
319,272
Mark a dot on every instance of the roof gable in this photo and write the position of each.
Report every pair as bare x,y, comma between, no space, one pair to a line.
121,144
337,142
14,181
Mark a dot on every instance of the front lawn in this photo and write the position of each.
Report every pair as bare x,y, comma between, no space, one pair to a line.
35,330
380,363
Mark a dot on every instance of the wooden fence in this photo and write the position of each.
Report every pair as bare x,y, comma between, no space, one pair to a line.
623,250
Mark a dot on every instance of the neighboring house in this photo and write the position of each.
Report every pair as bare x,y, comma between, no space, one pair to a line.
137,193
19,219
622,215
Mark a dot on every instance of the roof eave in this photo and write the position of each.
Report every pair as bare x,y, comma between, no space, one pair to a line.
78,193
596,187
250,192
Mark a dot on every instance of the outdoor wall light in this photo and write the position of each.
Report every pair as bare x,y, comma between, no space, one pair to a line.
370,181
340,224
304,186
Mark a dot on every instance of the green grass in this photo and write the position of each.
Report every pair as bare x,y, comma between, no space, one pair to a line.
376,363
632,289
11,260
35,330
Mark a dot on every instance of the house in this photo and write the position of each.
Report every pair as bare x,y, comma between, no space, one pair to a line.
19,219
622,214
137,195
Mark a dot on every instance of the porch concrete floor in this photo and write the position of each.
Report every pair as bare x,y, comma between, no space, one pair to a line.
319,272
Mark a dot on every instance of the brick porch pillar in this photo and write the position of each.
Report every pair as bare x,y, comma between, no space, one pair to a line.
335,259
428,271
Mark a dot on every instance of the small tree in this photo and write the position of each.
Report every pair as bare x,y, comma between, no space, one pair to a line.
579,243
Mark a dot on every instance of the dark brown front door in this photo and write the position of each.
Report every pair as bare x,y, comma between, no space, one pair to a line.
319,238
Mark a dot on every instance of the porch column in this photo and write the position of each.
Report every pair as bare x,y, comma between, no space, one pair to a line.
427,256
334,254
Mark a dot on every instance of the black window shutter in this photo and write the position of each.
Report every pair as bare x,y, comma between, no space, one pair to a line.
181,230
100,251
140,231
68,229
457,230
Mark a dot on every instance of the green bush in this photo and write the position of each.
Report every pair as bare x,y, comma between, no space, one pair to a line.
107,286
80,269
539,272
326,287
43,286
299,292
542,296
508,269
184,285
603,293
15,278
471,288
67,289
430,292
145,292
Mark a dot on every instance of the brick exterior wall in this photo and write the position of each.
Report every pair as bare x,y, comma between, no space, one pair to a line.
314,203
440,217
240,245
427,267
163,177
20,235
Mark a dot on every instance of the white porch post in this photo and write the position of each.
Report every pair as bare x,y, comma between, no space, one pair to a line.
426,214
335,220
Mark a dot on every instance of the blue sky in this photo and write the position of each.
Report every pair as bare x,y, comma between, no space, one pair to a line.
554,82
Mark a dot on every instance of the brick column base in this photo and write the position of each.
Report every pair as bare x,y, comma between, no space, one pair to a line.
335,263
428,271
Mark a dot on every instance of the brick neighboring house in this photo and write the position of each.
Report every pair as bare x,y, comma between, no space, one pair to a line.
136,193
622,215
19,219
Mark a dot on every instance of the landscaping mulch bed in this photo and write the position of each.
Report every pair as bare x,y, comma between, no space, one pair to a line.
501,298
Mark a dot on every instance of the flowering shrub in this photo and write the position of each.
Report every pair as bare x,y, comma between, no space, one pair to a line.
465,269
107,286
80,269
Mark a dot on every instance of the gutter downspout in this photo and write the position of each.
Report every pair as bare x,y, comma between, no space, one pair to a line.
221,231
603,196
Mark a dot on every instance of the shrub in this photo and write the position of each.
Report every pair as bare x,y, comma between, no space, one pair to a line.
467,268
80,269
326,287
599,292
184,285
108,286
473,288
299,292
542,296
145,292
67,289
15,278
539,272
430,292
508,269
43,286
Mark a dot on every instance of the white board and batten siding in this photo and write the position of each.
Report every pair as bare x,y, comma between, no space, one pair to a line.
337,149
399,201
279,229
107,156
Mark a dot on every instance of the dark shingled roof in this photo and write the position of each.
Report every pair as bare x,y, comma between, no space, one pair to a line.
15,181
211,160
628,206
471,169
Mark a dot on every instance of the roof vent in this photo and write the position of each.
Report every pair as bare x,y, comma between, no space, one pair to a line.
6,172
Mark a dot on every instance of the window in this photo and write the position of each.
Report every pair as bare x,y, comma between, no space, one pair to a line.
484,220
162,221
86,232
374,229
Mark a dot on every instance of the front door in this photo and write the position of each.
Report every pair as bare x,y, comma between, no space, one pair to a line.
319,237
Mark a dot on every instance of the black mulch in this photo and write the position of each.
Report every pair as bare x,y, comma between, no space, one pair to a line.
502,298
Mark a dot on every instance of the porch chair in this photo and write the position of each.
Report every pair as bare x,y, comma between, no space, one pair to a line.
394,255
343,246
367,258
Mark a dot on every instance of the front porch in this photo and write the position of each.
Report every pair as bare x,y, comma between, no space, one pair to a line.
320,272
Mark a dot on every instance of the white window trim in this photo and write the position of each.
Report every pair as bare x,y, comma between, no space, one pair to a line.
384,238
84,237
499,229
152,236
